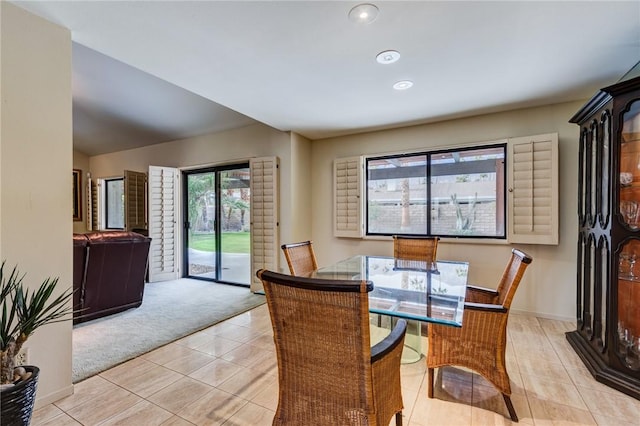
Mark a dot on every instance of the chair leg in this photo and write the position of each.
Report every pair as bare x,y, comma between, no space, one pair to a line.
430,383
399,418
512,411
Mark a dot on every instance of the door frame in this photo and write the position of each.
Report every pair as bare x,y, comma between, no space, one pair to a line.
217,220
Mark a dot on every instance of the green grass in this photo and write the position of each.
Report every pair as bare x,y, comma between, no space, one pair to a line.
232,242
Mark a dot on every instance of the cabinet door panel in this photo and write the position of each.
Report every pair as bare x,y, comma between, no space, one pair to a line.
594,199
605,164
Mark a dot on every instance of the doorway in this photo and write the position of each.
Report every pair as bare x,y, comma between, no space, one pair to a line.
217,236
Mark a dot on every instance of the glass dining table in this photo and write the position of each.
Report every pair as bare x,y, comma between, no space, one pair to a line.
415,290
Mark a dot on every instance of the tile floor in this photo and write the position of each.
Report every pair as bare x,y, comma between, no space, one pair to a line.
227,375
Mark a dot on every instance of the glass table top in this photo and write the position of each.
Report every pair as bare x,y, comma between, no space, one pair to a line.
423,291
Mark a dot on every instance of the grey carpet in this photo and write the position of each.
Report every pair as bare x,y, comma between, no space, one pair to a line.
170,310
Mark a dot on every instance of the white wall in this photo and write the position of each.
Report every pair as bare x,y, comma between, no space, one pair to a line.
549,286
35,174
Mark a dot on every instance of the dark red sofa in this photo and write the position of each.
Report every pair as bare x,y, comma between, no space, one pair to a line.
109,271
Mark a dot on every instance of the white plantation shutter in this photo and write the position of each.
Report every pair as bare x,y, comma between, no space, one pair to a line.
163,223
533,189
135,200
97,214
264,217
89,199
347,200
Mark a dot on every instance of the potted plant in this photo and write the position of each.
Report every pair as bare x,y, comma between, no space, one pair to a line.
22,312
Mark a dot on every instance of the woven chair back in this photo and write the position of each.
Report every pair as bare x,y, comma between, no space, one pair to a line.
321,334
415,248
300,258
511,277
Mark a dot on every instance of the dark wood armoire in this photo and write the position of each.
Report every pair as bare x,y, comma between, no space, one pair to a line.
607,336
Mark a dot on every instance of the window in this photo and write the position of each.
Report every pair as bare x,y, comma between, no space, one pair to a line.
118,202
454,193
114,203
505,190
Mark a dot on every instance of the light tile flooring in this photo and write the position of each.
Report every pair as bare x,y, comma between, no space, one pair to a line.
227,374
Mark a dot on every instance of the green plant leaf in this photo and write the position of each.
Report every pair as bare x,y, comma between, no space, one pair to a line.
24,311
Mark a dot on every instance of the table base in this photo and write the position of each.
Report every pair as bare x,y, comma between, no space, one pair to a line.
381,327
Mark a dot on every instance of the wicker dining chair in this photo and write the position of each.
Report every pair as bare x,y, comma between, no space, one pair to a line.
300,258
409,247
481,341
415,251
328,374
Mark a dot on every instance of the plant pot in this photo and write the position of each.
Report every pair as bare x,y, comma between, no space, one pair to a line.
16,402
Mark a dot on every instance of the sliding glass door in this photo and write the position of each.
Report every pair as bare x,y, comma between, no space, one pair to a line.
217,229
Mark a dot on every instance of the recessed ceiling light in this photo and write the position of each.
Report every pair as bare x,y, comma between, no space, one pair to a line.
388,57
363,13
403,85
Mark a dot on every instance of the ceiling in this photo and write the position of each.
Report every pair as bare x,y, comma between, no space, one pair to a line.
146,72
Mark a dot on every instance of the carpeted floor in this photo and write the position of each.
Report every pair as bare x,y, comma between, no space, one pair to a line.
170,310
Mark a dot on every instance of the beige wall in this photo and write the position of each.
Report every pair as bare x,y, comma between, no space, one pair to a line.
300,178
549,287
218,148
35,174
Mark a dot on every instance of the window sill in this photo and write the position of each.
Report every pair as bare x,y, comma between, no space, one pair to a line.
448,240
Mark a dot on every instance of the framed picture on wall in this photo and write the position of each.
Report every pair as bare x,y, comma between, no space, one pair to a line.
77,197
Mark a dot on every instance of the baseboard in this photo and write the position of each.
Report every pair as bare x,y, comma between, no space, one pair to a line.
41,401
545,316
